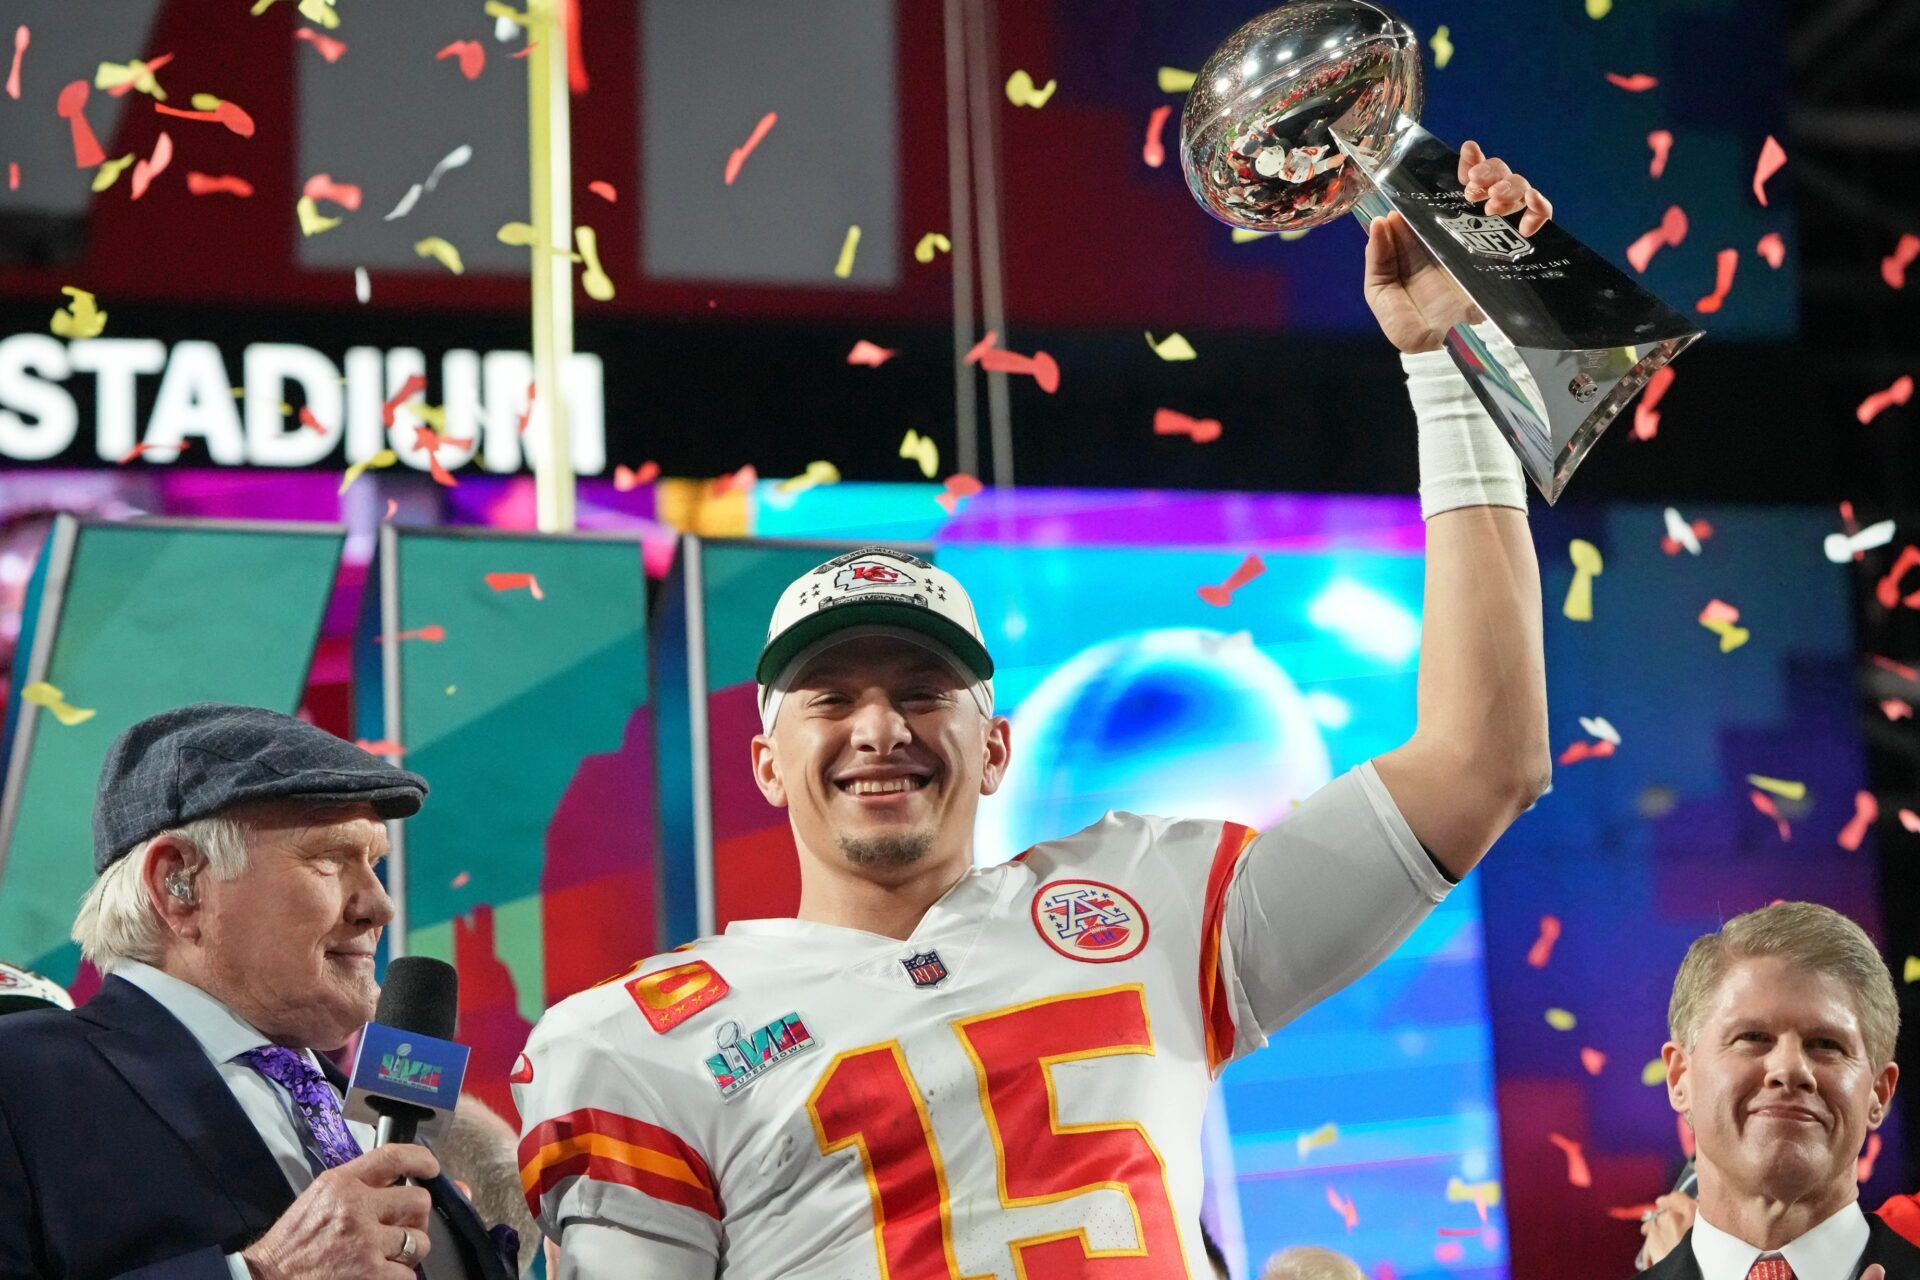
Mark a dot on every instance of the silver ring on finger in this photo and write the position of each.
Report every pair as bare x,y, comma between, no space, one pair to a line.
408,1250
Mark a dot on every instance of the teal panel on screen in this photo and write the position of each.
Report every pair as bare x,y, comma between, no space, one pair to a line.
127,620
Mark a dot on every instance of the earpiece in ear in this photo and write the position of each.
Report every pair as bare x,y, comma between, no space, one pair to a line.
180,886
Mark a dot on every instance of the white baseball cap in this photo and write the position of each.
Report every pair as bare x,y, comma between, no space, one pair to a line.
874,589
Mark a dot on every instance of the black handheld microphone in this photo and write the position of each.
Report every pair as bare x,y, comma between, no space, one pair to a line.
407,1074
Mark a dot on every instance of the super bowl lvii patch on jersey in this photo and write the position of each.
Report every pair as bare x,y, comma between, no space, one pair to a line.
744,1058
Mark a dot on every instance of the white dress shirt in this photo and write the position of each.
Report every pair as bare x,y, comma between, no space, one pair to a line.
224,1035
1828,1252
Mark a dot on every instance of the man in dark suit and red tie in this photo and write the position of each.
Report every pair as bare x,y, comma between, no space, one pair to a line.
1781,1060
180,1124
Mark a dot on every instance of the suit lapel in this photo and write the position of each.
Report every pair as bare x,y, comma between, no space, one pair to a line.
162,1062
1679,1264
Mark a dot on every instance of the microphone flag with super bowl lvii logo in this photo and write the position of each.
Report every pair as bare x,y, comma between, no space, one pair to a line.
405,1066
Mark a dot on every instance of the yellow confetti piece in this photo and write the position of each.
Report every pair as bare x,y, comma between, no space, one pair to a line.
516,233
312,221
594,279
922,450
437,248
433,415
1561,1020
1731,636
1912,973
1174,80
1021,91
42,694
1172,347
931,243
496,9
1654,1072
1586,567
384,458
451,689
111,75
261,6
320,12
816,474
1442,48
206,102
844,267
1460,1191
1325,1136
80,318
1779,787
109,172
1598,9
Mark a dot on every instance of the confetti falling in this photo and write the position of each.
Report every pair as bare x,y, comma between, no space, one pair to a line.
1577,1172
1172,347
1655,1072
1764,803
326,46
312,221
135,76
1578,751
959,487
472,55
816,474
1887,590
1561,1020
1593,1060
922,450
1598,9
1040,366
1660,141
1154,152
593,277
516,582
930,244
229,114
1879,402
362,285
1863,1167
321,186
141,450
1442,46
1022,93
1866,812
207,184
1174,80
145,171
1638,82
1325,1136
1171,422
380,746
626,479
430,634
1683,535
80,318
741,481
1893,267
605,191
1778,786
384,458
1668,235
848,247
1719,617
1587,565
870,356
442,252
71,106
1772,156
745,149
1344,1207
1222,595
1542,949
42,694
1724,263
1772,249
21,38
1646,416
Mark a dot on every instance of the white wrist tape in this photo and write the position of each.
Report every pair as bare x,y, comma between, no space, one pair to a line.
1464,460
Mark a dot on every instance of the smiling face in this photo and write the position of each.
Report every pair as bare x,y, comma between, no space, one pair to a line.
1779,1087
880,756
288,944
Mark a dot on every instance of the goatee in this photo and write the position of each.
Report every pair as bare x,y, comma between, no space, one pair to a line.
886,851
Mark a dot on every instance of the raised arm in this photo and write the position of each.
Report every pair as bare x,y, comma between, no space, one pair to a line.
1479,754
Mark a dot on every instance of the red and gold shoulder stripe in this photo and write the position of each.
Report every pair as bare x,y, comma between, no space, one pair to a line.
610,1147
1216,1006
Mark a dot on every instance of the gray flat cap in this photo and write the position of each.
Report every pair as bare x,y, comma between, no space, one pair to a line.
192,762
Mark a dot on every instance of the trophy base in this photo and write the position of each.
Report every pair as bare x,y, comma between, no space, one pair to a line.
1569,339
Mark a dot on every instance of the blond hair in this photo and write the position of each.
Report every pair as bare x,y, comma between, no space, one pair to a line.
1807,936
118,923
1308,1262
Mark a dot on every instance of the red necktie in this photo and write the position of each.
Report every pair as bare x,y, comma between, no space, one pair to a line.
1770,1267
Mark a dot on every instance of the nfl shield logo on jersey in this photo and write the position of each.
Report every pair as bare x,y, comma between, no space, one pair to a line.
1488,237
926,968
1090,921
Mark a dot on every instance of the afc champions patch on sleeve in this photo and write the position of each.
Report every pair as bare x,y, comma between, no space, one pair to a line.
1089,921
668,997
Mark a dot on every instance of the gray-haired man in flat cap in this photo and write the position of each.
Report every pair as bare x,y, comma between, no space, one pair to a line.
180,1124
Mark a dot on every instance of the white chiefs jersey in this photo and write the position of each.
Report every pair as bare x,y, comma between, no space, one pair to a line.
1016,1090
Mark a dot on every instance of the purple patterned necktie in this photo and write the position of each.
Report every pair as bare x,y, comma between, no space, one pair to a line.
312,1095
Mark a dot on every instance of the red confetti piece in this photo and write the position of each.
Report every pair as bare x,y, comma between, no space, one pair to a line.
1874,405
745,149
626,479
1772,248
1542,949
438,471
1171,422
1646,418
393,509
460,881
516,582
1887,591
1450,1251
1772,156
326,46
1593,1060
1888,664
1718,612
1764,803
229,114
980,348
1577,1172
1893,267
1700,529
125,87
472,55
381,747
207,184
1863,1167
1910,820
605,191
71,107
959,486
1459,1231
13,175
145,171
410,388
321,186
1866,811
1584,750
139,449
1671,231
1344,1207
1685,1132
741,481
1662,142
1638,82
431,634
310,422
1250,568
1896,709
1154,152
1045,372
525,49
1631,1212
867,354
20,39
1724,264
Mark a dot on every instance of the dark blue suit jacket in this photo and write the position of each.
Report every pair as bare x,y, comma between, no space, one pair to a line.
124,1153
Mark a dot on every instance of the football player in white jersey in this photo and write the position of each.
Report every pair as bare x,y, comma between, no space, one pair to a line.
936,1071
